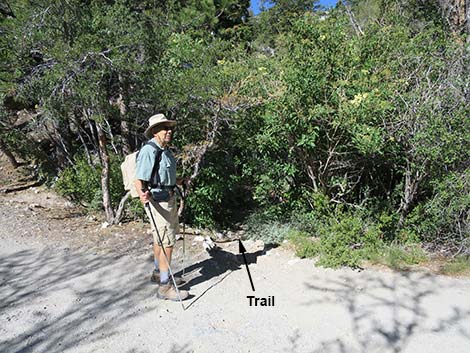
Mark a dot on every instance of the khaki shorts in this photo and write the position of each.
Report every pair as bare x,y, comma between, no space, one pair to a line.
165,215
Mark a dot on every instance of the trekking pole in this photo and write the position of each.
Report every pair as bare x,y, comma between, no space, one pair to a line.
147,204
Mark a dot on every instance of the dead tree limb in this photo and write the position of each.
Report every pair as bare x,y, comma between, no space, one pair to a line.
352,19
212,129
105,174
119,211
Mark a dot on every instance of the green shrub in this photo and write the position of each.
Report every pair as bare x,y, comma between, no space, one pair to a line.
347,240
81,182
305,246
273,232
135,209
201,205
399,256
443,222
340,239
458,265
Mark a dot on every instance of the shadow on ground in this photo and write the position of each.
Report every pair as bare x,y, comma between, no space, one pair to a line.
97,296
88,298
386,315
220,262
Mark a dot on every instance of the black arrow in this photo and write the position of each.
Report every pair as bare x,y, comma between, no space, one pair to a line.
242,250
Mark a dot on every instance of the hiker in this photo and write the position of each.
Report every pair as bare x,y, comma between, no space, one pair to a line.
161,196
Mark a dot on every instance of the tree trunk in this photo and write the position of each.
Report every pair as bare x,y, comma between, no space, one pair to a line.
412,180
212,130
121,103
352,19
105,174
80,131
457,13
467,19
93,128
6,151
125,133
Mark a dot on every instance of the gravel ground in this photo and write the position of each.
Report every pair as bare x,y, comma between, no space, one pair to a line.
67,285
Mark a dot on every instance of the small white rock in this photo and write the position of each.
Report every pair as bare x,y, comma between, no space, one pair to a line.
293,262
206,246
104,225
209,242
219,235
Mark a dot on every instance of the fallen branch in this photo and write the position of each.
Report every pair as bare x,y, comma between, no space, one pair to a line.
118,216
13,188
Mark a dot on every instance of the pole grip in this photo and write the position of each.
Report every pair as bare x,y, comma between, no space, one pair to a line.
144,190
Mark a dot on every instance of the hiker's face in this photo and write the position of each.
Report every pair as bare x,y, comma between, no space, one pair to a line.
164,134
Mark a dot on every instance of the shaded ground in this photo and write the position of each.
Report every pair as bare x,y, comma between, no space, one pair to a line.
58,300
66,285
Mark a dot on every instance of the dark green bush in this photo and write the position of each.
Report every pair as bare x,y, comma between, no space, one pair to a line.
443,222
81,182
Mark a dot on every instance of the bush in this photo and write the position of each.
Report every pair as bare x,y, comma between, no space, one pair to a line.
135,209
81,182
443,222
273,232
346,240
305,246
340,239
399,256
458,265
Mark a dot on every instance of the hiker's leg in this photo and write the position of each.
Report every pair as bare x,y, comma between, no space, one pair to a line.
156,256
166,218
164,261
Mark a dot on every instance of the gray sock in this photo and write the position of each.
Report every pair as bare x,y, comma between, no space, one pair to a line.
164,277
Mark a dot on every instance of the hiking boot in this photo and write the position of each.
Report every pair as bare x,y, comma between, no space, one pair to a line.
167,291
155,278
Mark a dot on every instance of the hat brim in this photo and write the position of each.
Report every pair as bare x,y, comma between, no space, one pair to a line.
148,132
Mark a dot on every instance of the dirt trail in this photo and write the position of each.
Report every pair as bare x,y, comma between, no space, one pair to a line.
67,285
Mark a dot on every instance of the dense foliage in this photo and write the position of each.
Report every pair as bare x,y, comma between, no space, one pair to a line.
349,125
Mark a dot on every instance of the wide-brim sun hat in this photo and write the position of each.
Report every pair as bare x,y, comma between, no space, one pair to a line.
155,120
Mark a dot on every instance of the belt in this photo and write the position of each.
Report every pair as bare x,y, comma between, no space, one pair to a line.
171,189
167,187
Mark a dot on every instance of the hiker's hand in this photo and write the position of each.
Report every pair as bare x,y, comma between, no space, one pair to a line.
145,197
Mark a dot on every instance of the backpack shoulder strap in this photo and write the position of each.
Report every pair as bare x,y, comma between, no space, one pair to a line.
155,176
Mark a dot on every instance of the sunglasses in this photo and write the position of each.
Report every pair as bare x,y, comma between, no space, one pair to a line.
167,127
